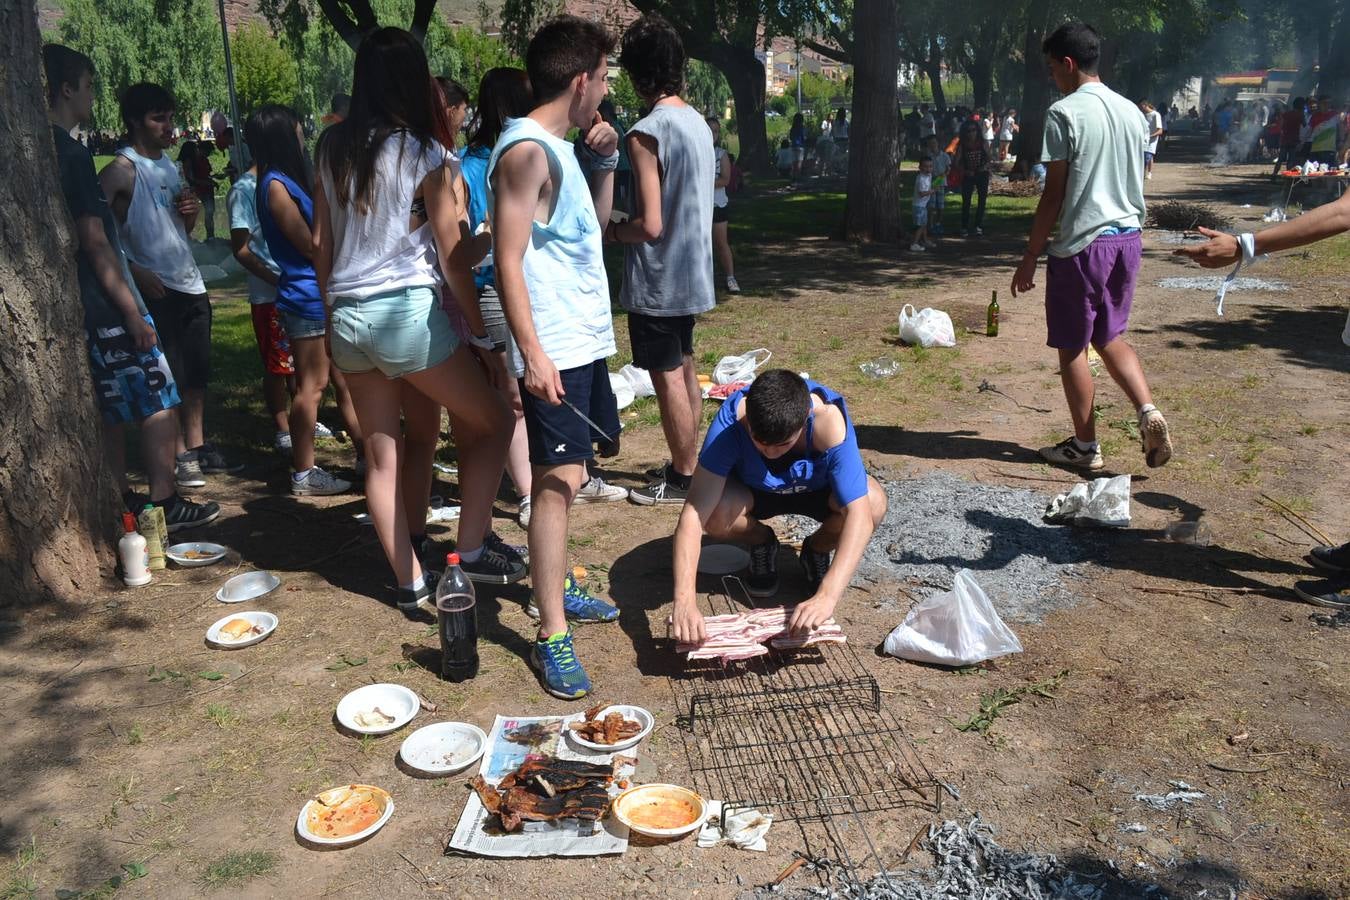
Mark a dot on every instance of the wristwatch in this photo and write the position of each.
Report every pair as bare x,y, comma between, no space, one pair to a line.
482,342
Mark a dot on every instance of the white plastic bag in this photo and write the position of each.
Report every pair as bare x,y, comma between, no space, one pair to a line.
731,369
957,628
1102,501
622,388
927,328
640,380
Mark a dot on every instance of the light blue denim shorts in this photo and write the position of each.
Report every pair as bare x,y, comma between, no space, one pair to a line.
399,333
298,327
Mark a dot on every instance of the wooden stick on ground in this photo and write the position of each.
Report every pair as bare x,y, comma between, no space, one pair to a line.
1317,532
914,843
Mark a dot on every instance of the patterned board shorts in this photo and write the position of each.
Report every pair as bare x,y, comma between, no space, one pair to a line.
273,343
129,385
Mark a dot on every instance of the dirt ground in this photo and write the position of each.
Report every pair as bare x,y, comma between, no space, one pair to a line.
131,744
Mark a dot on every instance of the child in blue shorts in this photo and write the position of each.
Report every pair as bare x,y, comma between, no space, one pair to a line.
923,193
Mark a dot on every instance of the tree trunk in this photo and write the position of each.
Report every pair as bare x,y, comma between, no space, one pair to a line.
872,209
981,73
933,69
1335,73
745,76
1035,83
56,502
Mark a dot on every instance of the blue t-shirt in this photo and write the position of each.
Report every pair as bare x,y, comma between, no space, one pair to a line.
473,166
728,450
297,285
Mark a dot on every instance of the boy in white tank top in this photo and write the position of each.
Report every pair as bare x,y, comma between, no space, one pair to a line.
155,211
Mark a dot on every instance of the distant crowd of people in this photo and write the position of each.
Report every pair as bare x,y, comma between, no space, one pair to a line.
1315,129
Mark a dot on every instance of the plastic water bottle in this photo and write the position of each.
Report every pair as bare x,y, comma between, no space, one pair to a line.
457,618
131,553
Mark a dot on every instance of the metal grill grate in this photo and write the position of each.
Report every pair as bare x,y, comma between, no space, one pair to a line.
801,734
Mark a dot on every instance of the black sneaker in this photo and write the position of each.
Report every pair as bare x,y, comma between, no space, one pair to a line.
180,513
515,552
419,605
815,564
663,490
1331,559
134,502
763,578
213,462
493,567
1327,593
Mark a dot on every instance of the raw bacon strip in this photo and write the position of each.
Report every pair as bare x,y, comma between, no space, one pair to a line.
743,635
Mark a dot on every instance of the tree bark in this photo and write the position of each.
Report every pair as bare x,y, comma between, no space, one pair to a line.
745,76
350,29
933,69
56,502
872,209
1035,83
1335,73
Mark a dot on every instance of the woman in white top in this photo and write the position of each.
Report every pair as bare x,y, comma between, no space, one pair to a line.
386,225
1006,133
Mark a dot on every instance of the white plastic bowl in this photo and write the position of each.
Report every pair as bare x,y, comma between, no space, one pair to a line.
632,713
264,620
628,808
302,823
391,699
444,748
247,586
175,553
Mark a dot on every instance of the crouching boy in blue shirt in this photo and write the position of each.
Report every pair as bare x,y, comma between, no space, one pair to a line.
783,445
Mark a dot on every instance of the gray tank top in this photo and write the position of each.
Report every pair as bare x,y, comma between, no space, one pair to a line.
673,275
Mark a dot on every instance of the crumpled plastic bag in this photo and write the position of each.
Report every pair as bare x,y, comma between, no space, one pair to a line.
957,628
926,328
639,379
1104,502
745,829
623,390
740,368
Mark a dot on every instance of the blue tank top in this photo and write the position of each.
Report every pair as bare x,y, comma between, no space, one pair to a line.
474,166
297,285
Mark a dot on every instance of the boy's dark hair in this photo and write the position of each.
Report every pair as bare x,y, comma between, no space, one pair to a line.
139,100
776,406
784,144
453,92
565,47
341,105
924,159
653,57
63,66
1077,41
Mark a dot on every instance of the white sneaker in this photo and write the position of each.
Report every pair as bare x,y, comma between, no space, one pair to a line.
597,491
322,430
282,442
1156,439
1148,176
916,248
318,483
523,516
733,286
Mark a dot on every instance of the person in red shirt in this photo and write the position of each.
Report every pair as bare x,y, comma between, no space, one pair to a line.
1291,123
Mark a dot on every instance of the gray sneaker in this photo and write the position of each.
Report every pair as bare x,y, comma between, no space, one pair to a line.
214,462
318,483
1066,453
187,472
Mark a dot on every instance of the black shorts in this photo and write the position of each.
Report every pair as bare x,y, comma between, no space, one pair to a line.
723,213
184,325
767,505
556,434
660,343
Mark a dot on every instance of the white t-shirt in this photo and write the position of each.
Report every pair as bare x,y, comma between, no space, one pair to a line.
241,202
1155,123
1007,133
923,183
988,129
927,125
373,252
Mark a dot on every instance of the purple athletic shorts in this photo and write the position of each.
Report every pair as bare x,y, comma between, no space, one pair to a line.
1088,295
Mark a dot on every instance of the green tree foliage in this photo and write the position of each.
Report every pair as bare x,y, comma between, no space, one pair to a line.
263,72
174,43
624,96
706,87
324,59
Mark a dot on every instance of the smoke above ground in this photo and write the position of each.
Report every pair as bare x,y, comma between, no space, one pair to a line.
1239,146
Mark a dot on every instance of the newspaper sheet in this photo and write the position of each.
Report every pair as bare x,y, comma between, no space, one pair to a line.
511,741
